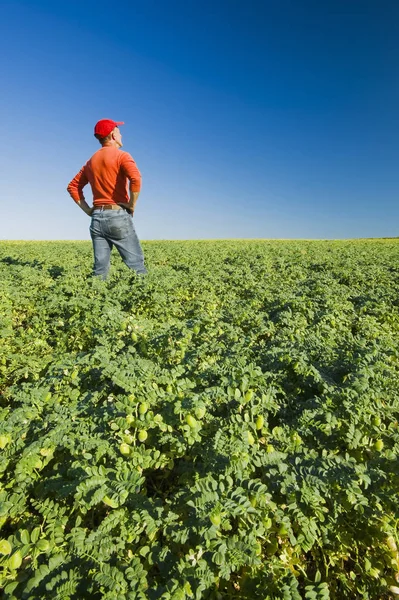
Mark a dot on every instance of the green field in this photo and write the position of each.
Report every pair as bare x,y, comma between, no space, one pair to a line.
225,427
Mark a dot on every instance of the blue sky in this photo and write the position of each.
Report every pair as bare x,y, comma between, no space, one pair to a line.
264,119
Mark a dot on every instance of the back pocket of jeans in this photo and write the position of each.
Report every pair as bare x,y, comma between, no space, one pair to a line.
118,229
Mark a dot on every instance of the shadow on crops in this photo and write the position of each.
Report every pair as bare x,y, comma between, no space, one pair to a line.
8,260
54,271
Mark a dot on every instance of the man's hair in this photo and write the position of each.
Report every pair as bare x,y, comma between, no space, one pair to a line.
102,140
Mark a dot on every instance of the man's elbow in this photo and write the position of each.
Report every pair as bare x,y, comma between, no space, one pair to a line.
73,192
135,187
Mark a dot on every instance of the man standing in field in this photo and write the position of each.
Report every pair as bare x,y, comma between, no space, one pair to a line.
115,183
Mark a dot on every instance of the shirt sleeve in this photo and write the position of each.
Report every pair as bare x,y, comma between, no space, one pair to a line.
75,187
130,170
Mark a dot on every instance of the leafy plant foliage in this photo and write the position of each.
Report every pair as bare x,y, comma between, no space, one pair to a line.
226,427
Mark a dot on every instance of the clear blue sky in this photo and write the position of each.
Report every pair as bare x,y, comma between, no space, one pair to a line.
258,119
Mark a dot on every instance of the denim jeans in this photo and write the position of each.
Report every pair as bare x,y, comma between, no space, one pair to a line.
110,228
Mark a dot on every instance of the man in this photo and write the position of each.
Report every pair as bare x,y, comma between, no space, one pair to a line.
111,173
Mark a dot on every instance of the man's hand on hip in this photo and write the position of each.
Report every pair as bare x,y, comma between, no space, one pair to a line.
85,207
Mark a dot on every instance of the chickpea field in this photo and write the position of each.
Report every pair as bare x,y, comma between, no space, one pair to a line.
224,427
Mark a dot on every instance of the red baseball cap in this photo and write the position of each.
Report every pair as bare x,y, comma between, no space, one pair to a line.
105,126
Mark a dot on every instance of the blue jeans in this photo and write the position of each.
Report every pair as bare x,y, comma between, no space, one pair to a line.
110,228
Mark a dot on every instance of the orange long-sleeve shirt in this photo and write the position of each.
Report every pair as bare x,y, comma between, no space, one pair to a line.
109,172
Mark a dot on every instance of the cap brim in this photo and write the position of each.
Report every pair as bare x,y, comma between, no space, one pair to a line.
119,122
